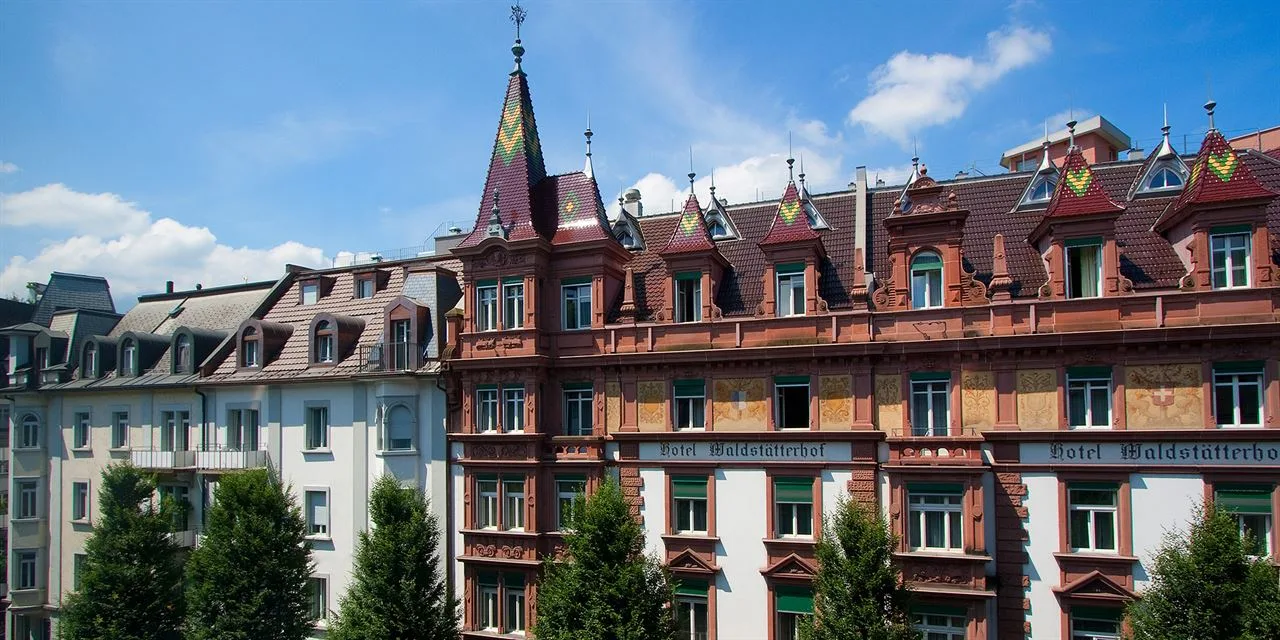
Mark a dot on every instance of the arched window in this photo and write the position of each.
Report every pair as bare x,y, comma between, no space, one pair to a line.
250,348
926,280
90,368
29,437
716,227
324,342
399,429
1043,190
1164,178
182,354
129,358
627,240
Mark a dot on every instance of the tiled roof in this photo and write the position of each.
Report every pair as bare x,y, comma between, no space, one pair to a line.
72,291
1078,193
1218,175
579,213
789,224
13,312
690,234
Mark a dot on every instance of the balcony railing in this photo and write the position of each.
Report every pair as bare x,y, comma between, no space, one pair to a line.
391,357
187,539
210,457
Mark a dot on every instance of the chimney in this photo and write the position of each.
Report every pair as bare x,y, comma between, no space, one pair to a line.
168,286
631,203
1134,154
861,208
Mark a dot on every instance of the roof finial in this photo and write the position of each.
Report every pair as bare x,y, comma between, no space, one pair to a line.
791,159
589,169
517,16
713,184
802,171
1165,128
915,155
495,228
1209,107
1071,133
692,175
1046,133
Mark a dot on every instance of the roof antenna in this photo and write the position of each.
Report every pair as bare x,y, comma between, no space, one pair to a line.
517,16
588,169
790,160
691,173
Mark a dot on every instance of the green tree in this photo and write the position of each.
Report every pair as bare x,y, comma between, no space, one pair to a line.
857,593
606,588
248,578
398,590
1205,587
131,585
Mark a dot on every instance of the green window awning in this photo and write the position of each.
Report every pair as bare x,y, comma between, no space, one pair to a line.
486,283
576,281
926,260
1248,366
1088,372
1094,486
691,487
1231,228
577,386
1244,498
487,477
513,280
487,578
690,387
939,610
1084,242
784,380
689,587
1110,614
689,275
793,490
943,488
930,376
486,387
789,267
794,599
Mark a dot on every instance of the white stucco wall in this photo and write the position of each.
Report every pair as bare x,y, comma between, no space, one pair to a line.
654,511
1041,501
1160,503
741,522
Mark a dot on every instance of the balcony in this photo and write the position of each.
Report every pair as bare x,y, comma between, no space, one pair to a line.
186,539
390,357
206,458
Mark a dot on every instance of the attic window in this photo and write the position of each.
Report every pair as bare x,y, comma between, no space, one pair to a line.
90,369
627,240
717,229
1164,176
250,348
182,354
129,358
324,342
365,286
310,293
1041,190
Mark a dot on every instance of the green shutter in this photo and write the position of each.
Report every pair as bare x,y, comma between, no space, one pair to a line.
793,490
1110,614
689,275
487,477
939,610
944,488
487,578
513,580
783,380
1088,372
1084,242
930,376
1094,486
513,280
794,599
687,587
577,386
789,267
1232,228
486,283
694,487
690,387
1244,498
1252,366
577,280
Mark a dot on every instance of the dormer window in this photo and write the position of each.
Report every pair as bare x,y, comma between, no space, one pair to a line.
1084,268
627,240
90,369
1229,250
182,354
129,358
790,290
364,286
716,228
250,348
310,293
1042,190
688,297
324,342
1164,178
926,280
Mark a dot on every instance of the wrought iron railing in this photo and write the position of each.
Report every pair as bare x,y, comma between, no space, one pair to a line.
391,357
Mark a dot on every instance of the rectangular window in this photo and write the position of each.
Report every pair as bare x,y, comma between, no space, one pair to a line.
403,355
119,429
577,410
80,431
319,588
935,516
27,568
793,507
1084,269
175,426
794,605
513,410
487,503
688,297
689,504
488,602
513,505
317,428
940,622
310,293
317,513
513,304
28,498
930,404
1250,505
1096,623
364,287
568,490
514,610
250,353
1089,397
1092,516
690,400
487,306
486,409
577,306
1230,259
77,569
691,609
791,396
79,501
1237,394
242,429
790,290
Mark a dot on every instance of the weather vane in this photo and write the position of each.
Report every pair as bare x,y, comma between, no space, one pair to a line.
517,16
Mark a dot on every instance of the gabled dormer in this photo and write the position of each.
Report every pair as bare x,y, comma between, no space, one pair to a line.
626,228
719,224
1039,190
1076,237
811,212
695,265
1164,173
1218,225
793,252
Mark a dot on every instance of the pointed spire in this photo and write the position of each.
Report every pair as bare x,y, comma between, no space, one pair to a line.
790,222
1079,192
713,185
1071,133
791,160
1209,108
588,168
1218,175
692,174
690,234
517,50
802,188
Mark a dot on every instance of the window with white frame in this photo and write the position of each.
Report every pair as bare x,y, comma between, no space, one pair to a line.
500,602
790,294
486,409
310,293
318,589
317,428
793,507
487,503
317,505
926,280
513,505
1084,268
1092,517
935,517
1250,505
365,287
513,409
90,369
568,491
27,566
1041,191
1089,397
688,302
400,429
79,501
1096,623
691,609
487,305
930,403
80,430
489,617
1230,257
940,622
689,504
29,433
690,398
1237,394
129,358
577,409
514,607
325,340
182,354
577,305
513,303
119,429
791,398
175,429
717,229
793,607
250,347
1164,177
28,498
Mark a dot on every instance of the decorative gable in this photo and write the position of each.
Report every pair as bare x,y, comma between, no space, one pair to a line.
719,224
1163,173
689,563
1043,183
1096,586
793,251
791,566
690,234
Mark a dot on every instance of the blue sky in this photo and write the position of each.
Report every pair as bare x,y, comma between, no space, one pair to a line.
214,141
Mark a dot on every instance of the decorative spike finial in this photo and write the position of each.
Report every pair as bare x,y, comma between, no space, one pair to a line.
518,15
802,170
495,228
1165,128
1209,108
1046,133
692,175
713,184
1071,133
588,169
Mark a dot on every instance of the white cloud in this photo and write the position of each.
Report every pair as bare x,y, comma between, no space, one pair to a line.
8,167
139,254
54,206
913,91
